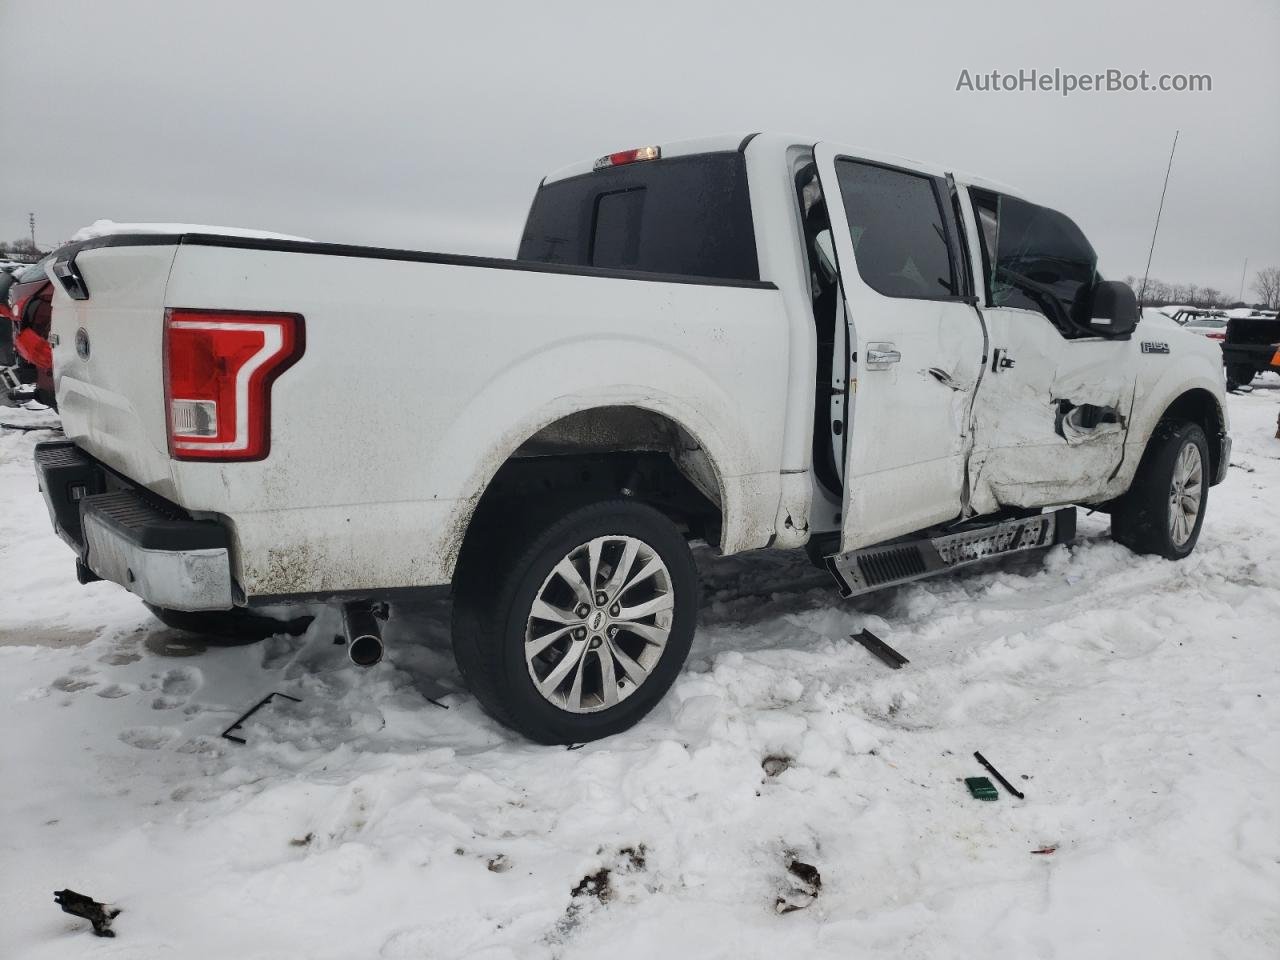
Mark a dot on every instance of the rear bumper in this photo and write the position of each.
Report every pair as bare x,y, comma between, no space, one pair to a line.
1260,356
127,535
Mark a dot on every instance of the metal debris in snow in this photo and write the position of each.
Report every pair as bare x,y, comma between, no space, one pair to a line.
880,649
996,773
980,788
98,914
251,711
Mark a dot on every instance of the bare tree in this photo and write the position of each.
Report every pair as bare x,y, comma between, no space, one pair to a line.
1266,284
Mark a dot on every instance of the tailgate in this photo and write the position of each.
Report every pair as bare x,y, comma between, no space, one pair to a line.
108,354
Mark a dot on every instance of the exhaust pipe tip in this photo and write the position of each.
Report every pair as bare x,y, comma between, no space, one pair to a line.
365,650
360,623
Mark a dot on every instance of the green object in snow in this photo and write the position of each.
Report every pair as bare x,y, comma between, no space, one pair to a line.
981,788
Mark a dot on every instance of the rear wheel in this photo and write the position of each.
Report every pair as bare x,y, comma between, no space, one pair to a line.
574,628
228,628
1164,509
1238,375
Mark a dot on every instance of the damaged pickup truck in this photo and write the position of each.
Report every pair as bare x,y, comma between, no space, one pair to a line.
760,342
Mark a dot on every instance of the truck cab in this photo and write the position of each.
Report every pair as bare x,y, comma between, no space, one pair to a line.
946,348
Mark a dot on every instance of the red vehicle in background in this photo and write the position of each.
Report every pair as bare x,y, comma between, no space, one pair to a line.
29,308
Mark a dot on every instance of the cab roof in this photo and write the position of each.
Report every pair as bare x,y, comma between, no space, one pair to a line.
778,144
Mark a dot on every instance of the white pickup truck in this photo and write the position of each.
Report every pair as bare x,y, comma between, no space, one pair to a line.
760,341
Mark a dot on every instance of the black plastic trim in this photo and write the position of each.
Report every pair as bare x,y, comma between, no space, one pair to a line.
427,593
146,526
459,260
153,524
742,147
389,253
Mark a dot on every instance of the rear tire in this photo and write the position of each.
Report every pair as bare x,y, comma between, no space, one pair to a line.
608,643
1164,509
228,628
1239,375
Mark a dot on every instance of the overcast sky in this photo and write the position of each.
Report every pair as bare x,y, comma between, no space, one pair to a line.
428,126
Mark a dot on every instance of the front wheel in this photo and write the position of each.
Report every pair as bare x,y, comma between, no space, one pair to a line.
575,627
1164,509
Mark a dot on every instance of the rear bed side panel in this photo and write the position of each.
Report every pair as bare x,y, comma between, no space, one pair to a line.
419,379
112,400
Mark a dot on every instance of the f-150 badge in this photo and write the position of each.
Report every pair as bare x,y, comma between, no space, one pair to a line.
1154,346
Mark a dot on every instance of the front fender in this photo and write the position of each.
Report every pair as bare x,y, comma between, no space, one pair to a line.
1162,380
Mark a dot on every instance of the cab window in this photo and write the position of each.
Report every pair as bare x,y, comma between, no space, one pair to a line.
1037,259
900,238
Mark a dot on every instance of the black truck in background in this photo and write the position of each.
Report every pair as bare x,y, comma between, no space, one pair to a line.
1251,346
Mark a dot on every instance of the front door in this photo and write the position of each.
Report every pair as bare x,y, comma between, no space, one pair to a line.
916,343
1050,416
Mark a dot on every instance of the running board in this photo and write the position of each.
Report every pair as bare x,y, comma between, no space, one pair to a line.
889,564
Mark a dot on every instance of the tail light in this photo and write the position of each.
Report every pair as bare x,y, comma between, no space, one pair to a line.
1216,336
219,368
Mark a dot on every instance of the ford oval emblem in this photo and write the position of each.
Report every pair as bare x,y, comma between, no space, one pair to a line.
82,343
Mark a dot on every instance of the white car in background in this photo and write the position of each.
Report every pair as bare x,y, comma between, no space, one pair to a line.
1205,323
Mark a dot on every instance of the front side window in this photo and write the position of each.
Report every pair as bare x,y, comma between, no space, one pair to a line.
896,224
1038,259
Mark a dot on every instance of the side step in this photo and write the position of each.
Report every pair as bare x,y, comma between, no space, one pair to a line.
889,564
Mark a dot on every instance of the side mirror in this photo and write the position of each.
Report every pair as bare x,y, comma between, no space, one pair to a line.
1114,311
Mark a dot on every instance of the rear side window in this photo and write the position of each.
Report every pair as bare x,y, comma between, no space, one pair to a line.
1038,259
899,238
689,216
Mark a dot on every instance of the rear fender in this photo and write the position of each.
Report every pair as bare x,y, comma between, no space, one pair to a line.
746,481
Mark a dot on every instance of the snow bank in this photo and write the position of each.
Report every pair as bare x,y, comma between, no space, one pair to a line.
1135,701
105,228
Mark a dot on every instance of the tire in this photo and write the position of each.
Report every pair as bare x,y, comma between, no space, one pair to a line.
228,628
501,574
1143,519
1238,375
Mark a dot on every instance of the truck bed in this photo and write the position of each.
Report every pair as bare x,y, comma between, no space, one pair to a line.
422,373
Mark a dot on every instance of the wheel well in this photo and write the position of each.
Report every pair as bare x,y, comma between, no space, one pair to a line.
1200,406
604,452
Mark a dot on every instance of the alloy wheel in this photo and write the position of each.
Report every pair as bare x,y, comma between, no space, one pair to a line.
599,624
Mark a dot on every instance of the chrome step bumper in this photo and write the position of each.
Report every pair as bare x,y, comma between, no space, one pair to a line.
889,564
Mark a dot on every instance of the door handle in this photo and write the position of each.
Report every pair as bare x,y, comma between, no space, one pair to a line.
881,355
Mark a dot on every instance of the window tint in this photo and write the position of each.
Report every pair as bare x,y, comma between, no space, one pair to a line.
686,215
1042,262
895,222
615,242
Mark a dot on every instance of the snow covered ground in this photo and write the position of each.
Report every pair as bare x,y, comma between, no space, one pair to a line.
1135,701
